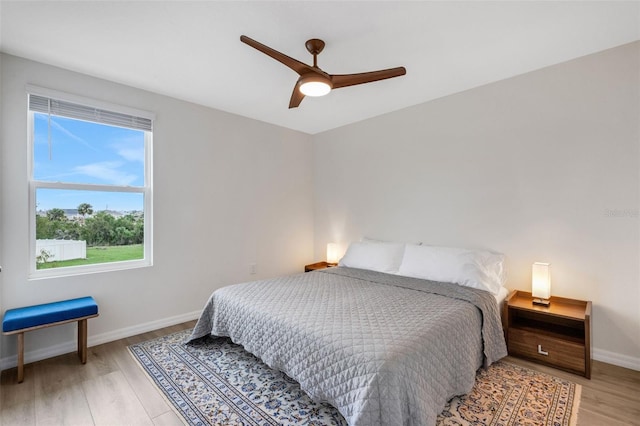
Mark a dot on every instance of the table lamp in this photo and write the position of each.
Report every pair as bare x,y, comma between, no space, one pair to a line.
332,254
541,283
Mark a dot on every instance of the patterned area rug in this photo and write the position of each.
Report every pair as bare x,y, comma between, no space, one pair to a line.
213,381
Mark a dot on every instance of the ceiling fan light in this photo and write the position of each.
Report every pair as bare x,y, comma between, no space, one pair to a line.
314,86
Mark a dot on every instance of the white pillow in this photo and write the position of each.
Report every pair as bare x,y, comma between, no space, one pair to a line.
472,268
375,240
375,256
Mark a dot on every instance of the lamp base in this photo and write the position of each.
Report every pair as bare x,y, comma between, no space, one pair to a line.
541,302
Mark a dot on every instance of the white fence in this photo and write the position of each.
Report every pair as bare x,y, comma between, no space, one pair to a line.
62,249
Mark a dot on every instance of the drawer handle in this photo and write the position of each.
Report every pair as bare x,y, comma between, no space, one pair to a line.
541,352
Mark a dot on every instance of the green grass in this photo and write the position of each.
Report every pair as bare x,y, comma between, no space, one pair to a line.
101,255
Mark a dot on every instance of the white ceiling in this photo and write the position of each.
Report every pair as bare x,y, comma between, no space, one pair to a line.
191,50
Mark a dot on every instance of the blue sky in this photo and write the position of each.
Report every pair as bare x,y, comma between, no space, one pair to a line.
85,152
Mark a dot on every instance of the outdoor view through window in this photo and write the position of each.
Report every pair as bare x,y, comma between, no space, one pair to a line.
88,186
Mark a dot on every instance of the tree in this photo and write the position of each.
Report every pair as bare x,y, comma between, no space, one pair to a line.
98,229
56,215
43,228
85,209
101,228
67,230
122,236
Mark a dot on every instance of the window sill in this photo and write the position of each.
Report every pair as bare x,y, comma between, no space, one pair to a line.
88,269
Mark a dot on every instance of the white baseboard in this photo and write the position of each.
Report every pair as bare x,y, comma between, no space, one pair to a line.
71,346
614,358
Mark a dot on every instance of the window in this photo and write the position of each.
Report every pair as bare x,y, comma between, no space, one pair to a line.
89,185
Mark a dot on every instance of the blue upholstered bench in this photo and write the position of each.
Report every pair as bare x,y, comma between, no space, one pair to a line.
20,320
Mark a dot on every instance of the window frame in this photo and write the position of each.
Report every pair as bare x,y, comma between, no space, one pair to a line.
33,185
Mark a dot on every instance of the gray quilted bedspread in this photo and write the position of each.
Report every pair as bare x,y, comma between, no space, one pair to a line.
382,349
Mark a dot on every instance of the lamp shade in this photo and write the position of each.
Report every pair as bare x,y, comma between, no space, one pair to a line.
314,85
541,280
332,253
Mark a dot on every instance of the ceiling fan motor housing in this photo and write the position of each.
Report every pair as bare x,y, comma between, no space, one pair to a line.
314,46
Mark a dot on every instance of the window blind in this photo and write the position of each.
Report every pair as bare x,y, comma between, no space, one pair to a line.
67,109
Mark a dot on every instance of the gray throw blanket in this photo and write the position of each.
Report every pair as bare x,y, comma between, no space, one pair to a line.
383,349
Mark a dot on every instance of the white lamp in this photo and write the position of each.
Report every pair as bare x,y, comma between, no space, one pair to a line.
332,254
314,85
541,283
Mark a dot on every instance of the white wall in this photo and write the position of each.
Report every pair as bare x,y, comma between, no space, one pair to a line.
228,192
542,167
1,188
532,166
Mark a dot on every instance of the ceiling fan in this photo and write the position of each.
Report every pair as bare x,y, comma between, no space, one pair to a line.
313,81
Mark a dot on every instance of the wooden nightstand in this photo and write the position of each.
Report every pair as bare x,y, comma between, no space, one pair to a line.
317,265
558,335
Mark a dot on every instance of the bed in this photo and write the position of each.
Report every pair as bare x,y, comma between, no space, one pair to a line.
380,347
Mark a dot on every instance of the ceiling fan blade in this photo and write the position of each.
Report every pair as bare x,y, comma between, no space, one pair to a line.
296,97
294,64
344,80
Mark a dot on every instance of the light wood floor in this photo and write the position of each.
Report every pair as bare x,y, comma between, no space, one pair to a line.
111,389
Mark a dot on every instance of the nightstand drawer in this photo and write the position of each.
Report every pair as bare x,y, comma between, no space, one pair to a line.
548,350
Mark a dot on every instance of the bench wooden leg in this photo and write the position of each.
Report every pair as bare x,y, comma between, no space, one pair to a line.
82,340
20,357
